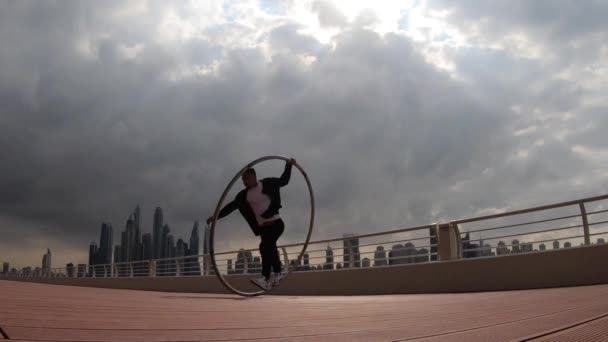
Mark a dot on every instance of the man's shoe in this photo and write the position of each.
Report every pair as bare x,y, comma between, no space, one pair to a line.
262,283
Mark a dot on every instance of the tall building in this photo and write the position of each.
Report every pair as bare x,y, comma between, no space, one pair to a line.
147,250
556,244
117,253
542,247
365,262
46,261
106,242
157,233
180,248
164,251
502,248
567,244
130,235
5,267
380,256
82,270
306,262
194,240
244,260
515,247
352,258
69,268
137,223
123,247
229,267
193,265
93,253
329,258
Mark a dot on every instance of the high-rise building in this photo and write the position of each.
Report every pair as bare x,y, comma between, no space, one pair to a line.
164,250
147,250
567,244
123,247
106,242
137,223
501,248
93,253
243,262
130,235
365,262
69,268
306,262
556,244
5,267
329,258
117,253
82,270
157,233
193,264
351,257
180,248
515,247
46,261
396,255
423,255
229,266
380,256
542,247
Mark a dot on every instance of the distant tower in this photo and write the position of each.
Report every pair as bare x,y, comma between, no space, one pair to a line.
46,261
352,258
329,258
93,253
365,262
164,252
147,250
515,246
157,231
567,244
556,244
5,267
542,247
106,242
306,262
194,240
193,263
380,256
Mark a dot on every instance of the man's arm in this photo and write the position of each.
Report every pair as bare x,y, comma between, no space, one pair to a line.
226,210
284,179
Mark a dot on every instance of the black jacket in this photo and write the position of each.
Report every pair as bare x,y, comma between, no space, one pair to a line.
271,187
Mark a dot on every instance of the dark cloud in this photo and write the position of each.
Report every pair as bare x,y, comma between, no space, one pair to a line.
100,113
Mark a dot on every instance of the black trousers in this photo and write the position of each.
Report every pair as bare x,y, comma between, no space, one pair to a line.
268,247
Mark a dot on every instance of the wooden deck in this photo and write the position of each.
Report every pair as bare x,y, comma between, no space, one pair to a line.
39,312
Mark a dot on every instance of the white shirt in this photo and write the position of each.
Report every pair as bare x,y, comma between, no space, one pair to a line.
259,202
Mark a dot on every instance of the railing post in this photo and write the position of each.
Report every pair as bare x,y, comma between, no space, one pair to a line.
585,223
152,268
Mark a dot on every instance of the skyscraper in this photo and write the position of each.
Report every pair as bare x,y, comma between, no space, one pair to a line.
106,242
515,247
502,249
147,250
93,253
193,265
130,234
69,268
194,240
46,261
157,233
329,258
164,251
306,262
137,249
380,256
352,258
5,267
117,253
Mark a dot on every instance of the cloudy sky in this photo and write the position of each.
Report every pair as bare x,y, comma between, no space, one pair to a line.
403,113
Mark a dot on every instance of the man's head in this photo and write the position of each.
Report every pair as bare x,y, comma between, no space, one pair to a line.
249,177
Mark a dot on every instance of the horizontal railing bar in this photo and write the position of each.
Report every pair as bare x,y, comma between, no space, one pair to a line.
520,224
597,212
531,233
530,210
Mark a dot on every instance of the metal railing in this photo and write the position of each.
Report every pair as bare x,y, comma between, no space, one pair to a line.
385,249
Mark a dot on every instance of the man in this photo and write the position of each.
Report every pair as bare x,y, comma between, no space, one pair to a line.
259,204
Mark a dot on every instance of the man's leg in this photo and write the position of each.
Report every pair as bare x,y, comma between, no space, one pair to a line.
265,245
277,230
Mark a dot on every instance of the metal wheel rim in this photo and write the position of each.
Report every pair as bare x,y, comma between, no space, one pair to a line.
218,207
